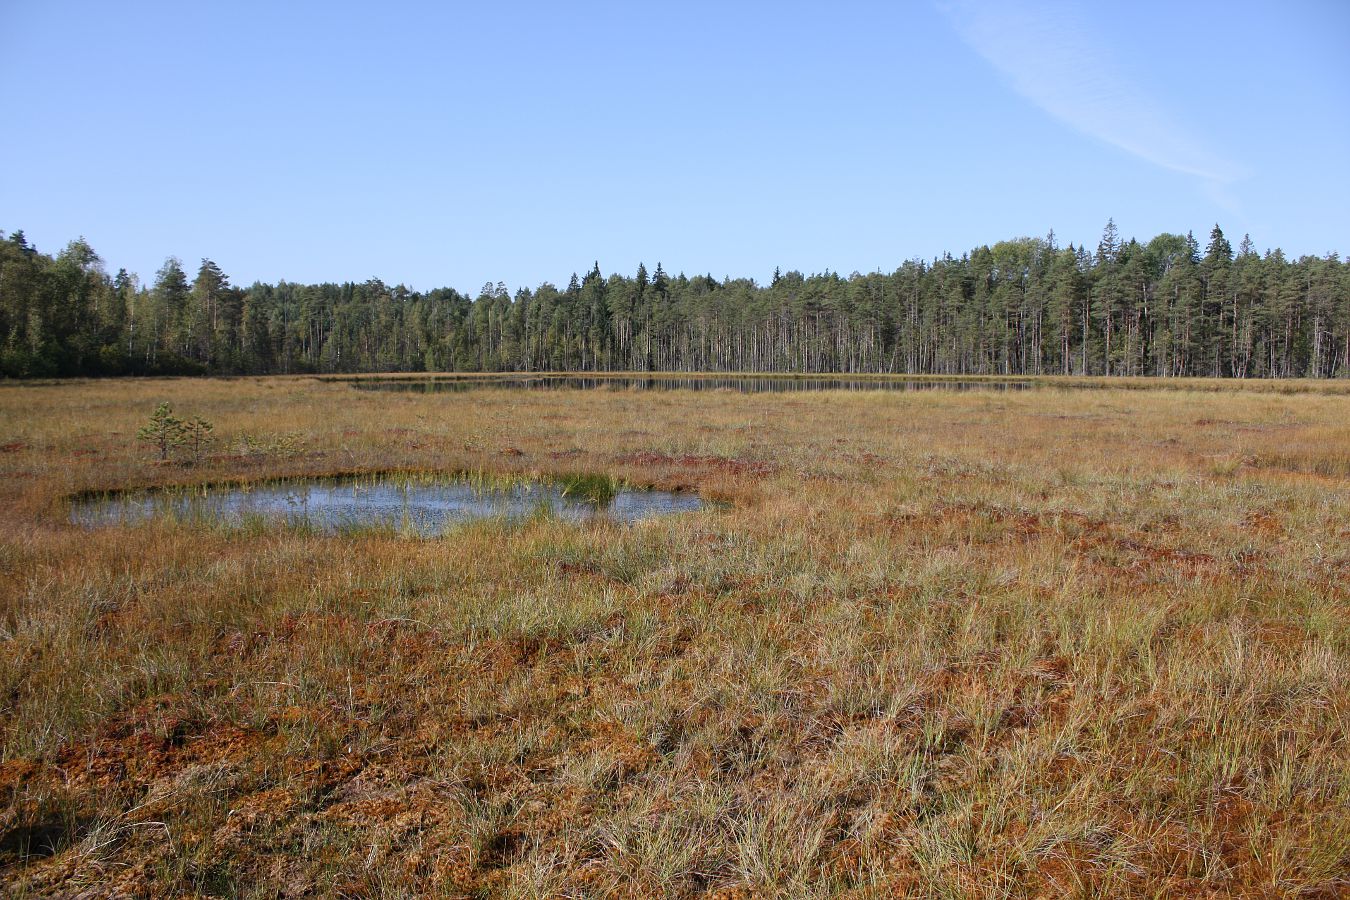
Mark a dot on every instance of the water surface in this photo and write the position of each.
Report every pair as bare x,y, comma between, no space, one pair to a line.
426,508
742,384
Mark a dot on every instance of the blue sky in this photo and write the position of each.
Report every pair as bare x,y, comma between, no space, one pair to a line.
453,144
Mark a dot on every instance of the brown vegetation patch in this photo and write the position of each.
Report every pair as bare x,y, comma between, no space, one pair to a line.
722,464
1324,464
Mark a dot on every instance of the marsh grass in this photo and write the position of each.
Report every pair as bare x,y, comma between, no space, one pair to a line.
591,487
1043,643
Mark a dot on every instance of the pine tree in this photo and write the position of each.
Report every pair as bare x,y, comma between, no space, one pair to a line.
164,432
208,293
1217,310
170,323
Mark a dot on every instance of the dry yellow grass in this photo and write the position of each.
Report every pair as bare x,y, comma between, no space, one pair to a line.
1044,643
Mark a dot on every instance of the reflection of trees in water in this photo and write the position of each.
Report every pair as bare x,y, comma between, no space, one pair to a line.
739,385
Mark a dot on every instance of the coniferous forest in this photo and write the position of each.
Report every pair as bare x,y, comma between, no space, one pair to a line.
1168,307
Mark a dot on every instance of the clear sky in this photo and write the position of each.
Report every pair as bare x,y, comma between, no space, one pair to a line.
453,144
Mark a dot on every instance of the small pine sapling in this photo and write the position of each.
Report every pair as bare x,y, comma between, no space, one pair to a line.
197,436
165,431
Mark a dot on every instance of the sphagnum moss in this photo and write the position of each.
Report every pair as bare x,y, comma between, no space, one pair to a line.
1033,643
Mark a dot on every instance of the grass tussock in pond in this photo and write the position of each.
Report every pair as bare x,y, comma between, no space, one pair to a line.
591,487
1040,643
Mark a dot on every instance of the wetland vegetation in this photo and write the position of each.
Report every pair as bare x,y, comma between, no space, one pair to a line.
937,643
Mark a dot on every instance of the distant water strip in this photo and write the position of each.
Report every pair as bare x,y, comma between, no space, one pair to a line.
739,384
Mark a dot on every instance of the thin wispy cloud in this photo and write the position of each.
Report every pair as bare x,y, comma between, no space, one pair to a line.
1050,56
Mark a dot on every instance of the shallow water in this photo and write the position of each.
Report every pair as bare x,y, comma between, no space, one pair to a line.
745,385
331,505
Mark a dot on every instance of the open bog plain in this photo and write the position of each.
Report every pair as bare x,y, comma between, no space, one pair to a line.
1078,639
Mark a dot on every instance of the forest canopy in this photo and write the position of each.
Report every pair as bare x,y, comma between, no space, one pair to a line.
1167,307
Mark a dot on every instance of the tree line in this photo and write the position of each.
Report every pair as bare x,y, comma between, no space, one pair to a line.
1025,306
